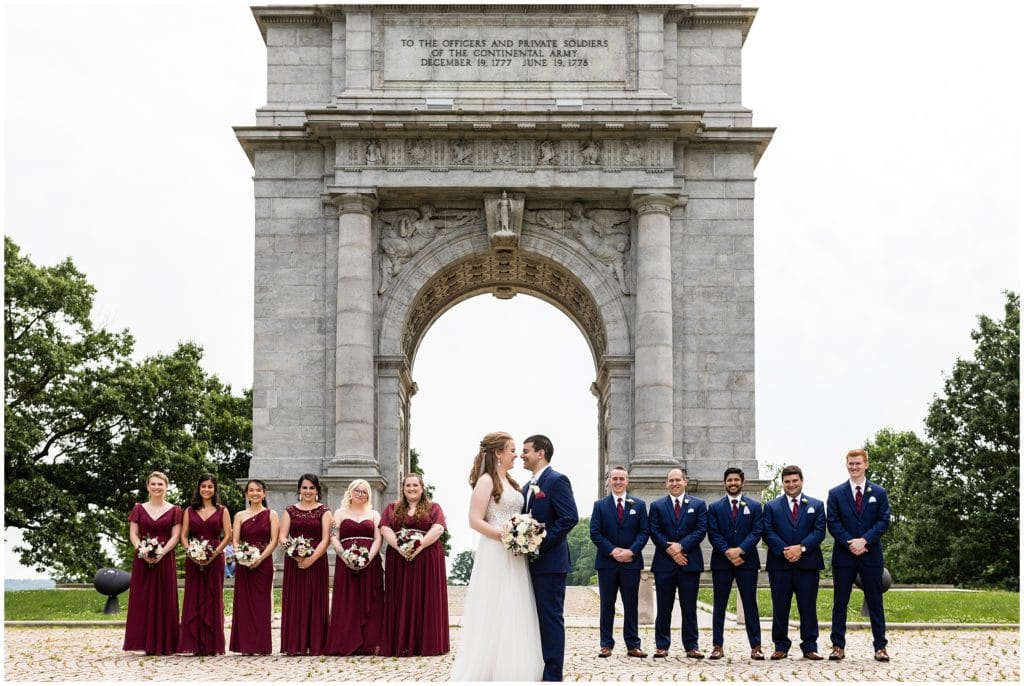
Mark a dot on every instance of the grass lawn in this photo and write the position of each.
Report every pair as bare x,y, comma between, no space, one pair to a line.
80,604
969,607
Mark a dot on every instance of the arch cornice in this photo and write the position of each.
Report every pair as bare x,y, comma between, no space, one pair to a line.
460,267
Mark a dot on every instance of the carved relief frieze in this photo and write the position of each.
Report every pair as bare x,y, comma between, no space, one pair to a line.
590,152
404,232
603,232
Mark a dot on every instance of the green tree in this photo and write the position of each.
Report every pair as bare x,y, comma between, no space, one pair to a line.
582,552
774,487
462,568
415,468
84,424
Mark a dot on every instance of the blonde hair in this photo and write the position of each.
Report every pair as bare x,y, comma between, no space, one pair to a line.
486,462
346,500
159,475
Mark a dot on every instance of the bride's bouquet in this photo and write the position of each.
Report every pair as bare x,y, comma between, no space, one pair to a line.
298,547
247,553
523,535
409,540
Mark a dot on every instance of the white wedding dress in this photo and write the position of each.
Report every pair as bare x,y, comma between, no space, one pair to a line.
500,636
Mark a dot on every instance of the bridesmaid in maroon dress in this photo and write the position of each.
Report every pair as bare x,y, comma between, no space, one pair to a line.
304,596
416,599
202,614
357,605
152,623
254,581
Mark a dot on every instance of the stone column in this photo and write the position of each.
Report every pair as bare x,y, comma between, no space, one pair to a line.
652,421
353,353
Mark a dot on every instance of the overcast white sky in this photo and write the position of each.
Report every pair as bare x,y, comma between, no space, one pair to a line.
887,218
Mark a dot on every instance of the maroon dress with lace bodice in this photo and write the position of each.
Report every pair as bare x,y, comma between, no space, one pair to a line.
304,597
202,610
252,608
357,606
416,598
152,623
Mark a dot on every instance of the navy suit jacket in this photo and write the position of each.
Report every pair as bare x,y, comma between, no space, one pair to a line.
608,533
845,524
780,531
744,532
555,507
688,532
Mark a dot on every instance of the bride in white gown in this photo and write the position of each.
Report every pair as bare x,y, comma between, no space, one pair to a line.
500,636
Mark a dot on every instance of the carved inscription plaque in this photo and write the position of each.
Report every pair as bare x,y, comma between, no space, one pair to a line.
506,51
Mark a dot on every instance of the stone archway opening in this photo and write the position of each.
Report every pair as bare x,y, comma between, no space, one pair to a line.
516,365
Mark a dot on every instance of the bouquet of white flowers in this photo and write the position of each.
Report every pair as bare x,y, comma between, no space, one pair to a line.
200,550
247,553
357,556
299,546
409,540
148,548
522,535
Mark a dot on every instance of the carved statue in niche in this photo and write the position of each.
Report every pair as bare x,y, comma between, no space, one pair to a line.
504,214
374,155
417,151
405,232
589,152
547,153
631,153
504,153
604,233
462,151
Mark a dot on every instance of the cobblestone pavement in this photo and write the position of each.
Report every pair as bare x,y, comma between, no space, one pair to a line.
94,654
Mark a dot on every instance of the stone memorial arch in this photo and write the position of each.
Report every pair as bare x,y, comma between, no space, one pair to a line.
410,157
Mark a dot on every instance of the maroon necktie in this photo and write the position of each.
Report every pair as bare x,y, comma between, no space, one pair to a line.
858,499
795,511
619,510
735,509
677,508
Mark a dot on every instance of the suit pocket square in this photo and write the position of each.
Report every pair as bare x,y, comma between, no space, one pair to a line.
746,512
632,512
872,499
810,510
689,511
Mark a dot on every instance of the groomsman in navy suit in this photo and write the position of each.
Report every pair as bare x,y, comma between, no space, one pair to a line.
678,524
618,527
734,529
794,527
550,501
858,515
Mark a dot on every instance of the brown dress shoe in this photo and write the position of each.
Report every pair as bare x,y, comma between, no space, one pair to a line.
636,652
756,653
660,652
779,655
605,652
695,654
811,655
837,653
881,655
716,653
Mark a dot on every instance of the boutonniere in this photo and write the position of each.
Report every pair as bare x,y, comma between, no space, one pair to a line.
803,501
744,507
868,489
630,501
537,493
686,501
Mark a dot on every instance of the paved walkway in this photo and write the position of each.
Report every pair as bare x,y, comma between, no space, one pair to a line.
94,654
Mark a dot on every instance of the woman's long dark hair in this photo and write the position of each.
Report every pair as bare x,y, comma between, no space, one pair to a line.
261,485
197,500
311,478
401,512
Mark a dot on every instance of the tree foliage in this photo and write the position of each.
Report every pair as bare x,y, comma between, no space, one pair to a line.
955,495
462,568
84,424
415,468
582,552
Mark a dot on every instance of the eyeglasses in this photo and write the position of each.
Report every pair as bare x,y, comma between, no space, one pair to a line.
360,493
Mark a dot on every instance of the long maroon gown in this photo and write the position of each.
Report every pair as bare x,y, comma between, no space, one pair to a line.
416,593
152,623
304,597
253,605
202,611
357,606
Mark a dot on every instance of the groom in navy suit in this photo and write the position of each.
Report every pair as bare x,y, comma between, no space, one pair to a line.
734,529
678,524
550,501
794,527
618,527
858,515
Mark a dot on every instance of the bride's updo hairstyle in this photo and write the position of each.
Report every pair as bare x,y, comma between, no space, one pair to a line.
486,462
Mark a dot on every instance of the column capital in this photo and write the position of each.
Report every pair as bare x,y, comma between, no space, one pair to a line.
349,203
653,203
